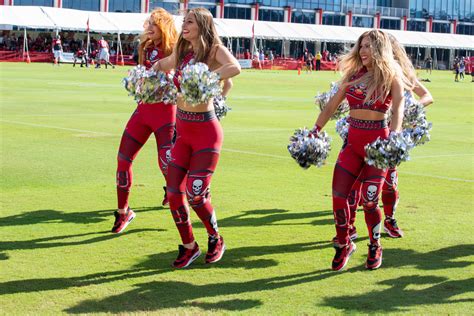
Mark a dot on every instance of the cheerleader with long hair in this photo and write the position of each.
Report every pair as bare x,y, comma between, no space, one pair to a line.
390,193
159,119
373,84
199,137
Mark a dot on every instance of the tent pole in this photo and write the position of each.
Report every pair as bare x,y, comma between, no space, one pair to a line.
119,49
25,47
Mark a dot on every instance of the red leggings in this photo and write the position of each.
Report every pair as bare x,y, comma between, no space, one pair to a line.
350,165
156,118
390,195
194,158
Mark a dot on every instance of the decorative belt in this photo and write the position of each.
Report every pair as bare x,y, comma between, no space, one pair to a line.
195,116
366,124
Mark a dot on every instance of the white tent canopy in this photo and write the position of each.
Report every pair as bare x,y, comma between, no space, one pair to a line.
132,23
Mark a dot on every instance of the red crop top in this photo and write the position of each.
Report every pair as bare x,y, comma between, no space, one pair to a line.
188,59
355,95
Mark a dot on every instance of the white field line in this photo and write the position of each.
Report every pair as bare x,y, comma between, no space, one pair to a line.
252,152
56,127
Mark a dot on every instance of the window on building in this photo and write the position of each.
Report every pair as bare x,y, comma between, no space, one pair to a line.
334,19
390,24
360,21
44,3
88,5
237,13
124,6
441,27
210,7
417,26
171,7
465,29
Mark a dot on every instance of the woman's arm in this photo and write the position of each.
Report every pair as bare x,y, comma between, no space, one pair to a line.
227,85
230,66
425,96
398,105
165,64
331,107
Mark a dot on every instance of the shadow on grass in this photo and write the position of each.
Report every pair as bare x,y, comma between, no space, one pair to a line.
401,295
160,263
61,241
156,295
54,216
271,217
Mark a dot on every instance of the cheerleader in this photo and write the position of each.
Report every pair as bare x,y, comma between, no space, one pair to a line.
199,138
159,119
390,194
373,84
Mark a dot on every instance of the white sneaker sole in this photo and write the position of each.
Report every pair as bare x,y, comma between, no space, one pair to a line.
389,233
220,257
196,255
350,255
126,224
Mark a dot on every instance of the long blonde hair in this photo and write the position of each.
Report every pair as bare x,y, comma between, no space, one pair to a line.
208,38
400,56
384,68
165,23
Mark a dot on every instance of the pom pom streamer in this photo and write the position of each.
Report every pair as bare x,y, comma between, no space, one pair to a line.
220,107
199,84
309,147
322,100
149,86
342,127
390,152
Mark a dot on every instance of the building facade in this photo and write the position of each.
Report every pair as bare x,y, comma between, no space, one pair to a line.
441,16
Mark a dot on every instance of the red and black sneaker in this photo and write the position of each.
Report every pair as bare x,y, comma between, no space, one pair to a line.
374,257
186,256
391,228
215,249
352,234
165,198
342,255
122,220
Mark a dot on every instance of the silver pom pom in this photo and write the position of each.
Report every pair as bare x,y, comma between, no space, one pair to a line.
199,84
342,127
390,152
149,86
322,100
220,107
309,147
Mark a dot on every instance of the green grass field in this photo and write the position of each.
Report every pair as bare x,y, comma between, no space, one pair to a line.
60,129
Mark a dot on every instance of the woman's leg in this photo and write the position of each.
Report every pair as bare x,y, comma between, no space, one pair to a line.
163,122
390,198
372,182
133,138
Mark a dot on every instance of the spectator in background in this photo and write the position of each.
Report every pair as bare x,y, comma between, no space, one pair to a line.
247,54
103,53
429,64
271,57
318,61
81,55
462,68
261,56
57,49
